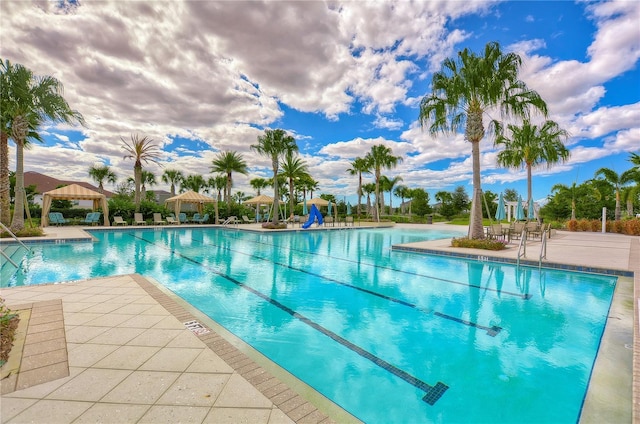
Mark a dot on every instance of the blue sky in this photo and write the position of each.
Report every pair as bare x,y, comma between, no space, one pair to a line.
201,77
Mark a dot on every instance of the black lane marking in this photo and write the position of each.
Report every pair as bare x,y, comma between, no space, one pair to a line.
491,331
520,295
432,393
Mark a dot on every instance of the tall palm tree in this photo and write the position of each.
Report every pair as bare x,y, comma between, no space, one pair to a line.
387,185
27,101
463,91
140,150
617,181
294,168
274,144
635,159
380,157
531,145
102,173
358,166
173,177
228,162
258,184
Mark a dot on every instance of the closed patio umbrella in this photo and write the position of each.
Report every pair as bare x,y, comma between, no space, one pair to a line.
500,213
519,210
530,213
329,208
304,208
348,208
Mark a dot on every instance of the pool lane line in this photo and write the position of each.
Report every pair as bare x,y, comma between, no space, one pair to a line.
432,393
525,296
491,331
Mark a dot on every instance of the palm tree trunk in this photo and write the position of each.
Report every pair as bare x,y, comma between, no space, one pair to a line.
476,230
376,210
137,176
5,189
529,189
359,191
618,211
228,193
276,194
17,223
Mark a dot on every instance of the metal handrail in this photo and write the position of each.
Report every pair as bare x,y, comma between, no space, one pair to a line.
522,245
543,246
4,227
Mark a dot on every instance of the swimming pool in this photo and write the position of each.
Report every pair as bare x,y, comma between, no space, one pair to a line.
389,336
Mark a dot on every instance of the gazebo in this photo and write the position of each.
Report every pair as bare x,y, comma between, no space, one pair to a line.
190,197
73,192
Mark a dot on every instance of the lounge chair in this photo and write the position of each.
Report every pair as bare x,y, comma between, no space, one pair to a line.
348,221
91,218
182,217
117,220
246,219
329,221
205,218
172,220
195,218
157,219
56,218
138,219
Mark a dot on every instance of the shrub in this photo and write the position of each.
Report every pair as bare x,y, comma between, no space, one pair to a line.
632,227
486,244
272,226
8,325
596,225
584,225
572,225
617,227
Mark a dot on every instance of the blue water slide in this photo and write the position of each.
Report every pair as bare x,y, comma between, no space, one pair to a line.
314,214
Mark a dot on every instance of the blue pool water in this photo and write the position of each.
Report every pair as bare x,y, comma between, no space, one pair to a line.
389,336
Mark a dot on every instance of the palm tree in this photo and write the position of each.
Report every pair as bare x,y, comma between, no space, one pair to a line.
378,158
463,91
294,168
100,174
617,181
388,184
27,101
193,182
358,166
531,145
228,162
140,150
402,192
570,192
368,189
148,178
635,159
173,177
218,183
274,144
258,184
308,184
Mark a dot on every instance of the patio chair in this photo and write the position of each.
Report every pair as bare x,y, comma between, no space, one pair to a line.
348,221
56,218
182,217
533,230
138,219
495,232
246,219
516,230
157,219
329,220
92,218
117,220
172,220
195,218
205,218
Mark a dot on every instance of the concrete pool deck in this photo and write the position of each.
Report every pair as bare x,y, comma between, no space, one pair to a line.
117,349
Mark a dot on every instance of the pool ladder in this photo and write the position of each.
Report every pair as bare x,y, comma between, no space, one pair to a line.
7,257
522,247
